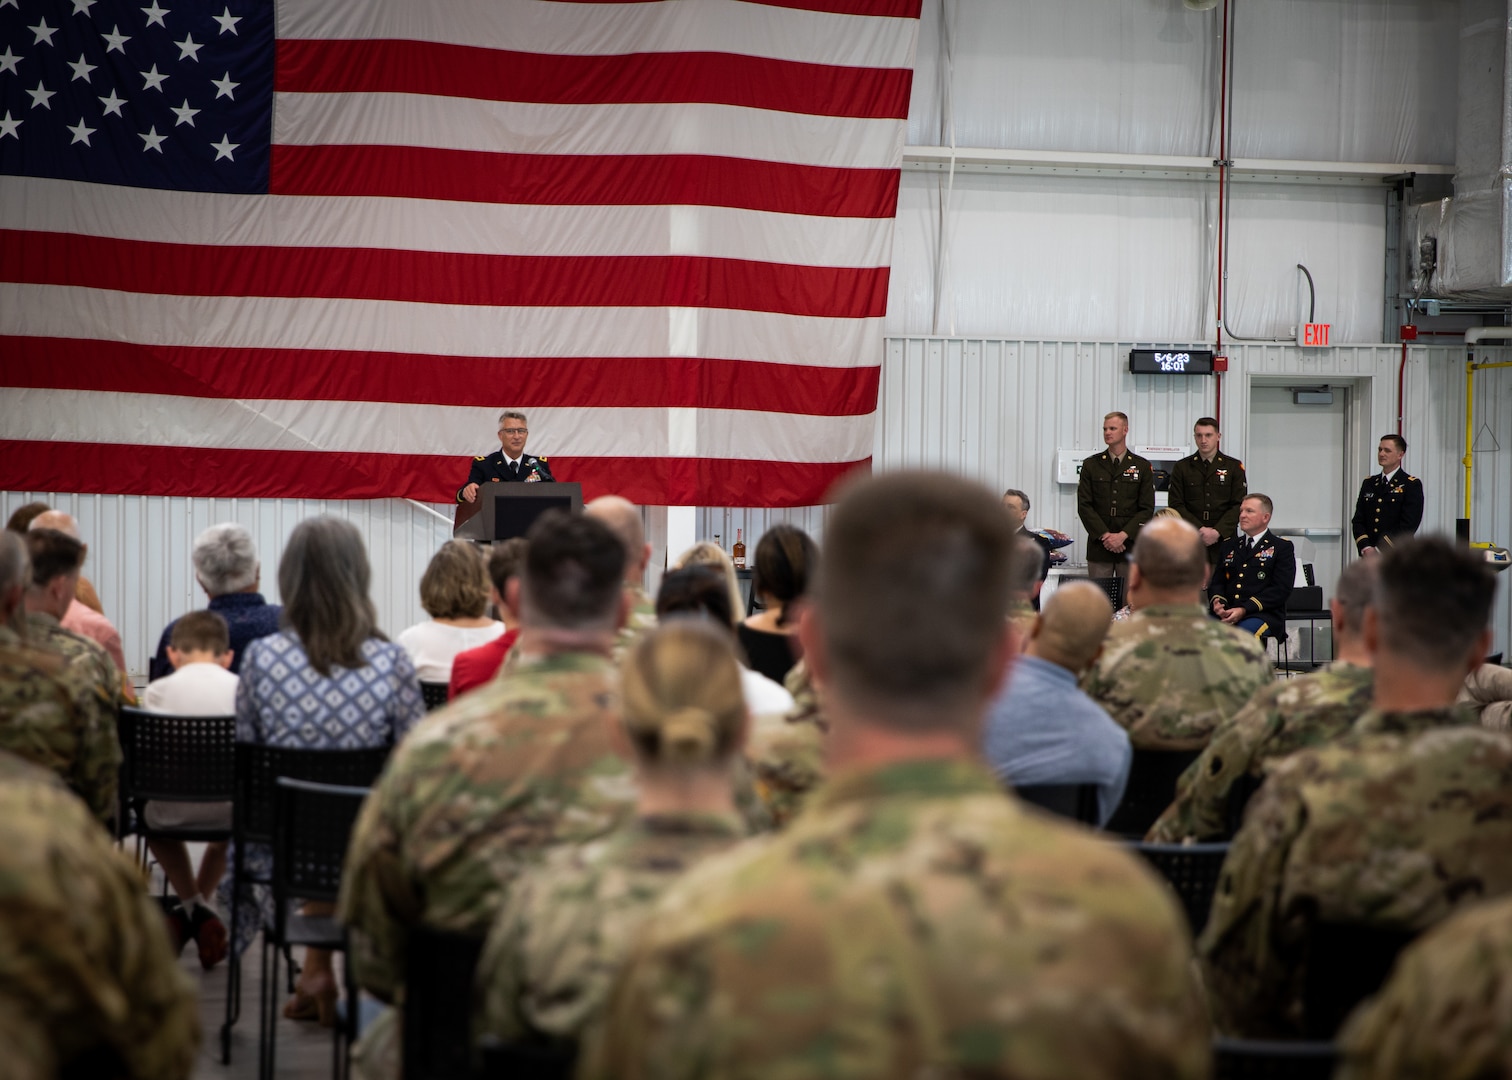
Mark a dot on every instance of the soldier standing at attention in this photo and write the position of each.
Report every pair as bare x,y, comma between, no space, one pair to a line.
508,465
1115,496
1390,504
913,920
1207,488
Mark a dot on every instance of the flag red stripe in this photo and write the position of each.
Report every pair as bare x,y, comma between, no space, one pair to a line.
895,9
583,180
339,375
98,468
443,277
464,71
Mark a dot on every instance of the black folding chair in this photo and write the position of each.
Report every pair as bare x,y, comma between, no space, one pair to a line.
1346,963
1265,1059
1113,586
438,1003
257,768
1151,788
434,694
1075,801
174,759
1193,871
311,826
525,1061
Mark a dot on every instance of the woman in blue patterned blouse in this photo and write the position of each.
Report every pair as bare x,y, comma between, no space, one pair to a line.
329,680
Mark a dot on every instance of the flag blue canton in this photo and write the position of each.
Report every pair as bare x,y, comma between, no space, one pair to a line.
178,94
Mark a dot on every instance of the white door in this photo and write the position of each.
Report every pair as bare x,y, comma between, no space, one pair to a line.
1296,456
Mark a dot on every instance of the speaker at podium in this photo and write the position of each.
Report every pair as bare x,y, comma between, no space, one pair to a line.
507,510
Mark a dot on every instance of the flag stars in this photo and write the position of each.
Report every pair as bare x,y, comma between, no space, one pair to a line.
43,32
81,69
224,147
115,41
152,140
227,21
40,96
81,7
224,86
81,133
153,80
9,60
184,113
9,126
155,14
188,50
11,3
112,104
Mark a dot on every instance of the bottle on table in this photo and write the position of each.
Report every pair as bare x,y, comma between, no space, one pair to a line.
737,553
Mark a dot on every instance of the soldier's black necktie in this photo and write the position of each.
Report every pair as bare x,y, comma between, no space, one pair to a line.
515,466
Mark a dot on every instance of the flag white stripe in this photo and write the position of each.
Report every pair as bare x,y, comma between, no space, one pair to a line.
451,431
533,26
449,123
433,329
212,219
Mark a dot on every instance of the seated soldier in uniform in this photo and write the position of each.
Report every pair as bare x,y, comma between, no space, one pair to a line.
1392,828
911,921
1255,573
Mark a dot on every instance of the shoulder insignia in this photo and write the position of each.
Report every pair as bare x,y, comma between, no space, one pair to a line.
541,458
481,457
1413,479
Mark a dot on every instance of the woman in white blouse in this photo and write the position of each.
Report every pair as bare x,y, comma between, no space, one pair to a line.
454,593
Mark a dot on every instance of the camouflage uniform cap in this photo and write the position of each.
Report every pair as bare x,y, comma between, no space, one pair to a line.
911,921
550,957
88,754
1443,1014
1357,832
98,995
1170,674
1282,718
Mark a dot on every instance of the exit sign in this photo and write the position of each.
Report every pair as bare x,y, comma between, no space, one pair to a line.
1314,335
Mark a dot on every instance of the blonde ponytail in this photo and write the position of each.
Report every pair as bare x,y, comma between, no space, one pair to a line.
683,701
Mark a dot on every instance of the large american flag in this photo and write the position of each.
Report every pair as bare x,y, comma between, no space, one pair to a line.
313,248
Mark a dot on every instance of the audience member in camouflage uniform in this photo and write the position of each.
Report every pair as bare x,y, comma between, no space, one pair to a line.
623,519
87,756
37,717
1282,718
1488,693
1170,674
1444,1013
912,921
88,983
1393,827
787,760
551,955
483,788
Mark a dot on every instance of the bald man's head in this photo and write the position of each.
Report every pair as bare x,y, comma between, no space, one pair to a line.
1072,626
56,519
623,519
1169,558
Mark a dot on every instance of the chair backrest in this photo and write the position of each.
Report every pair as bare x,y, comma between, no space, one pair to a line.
1151,788
312,824
1305,598
438,1003
1262,1059
1113,586
434,694
176,758
1075,801
259,766
1346,963
1193,871
525,1061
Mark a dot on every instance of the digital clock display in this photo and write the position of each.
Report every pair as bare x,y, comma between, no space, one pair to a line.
1171,361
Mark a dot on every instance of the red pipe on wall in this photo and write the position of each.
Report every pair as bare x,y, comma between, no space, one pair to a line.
1222,184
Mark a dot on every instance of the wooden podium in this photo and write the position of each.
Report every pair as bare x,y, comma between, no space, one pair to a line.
506,510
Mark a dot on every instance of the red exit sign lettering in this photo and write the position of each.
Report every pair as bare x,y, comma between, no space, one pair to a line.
1315,334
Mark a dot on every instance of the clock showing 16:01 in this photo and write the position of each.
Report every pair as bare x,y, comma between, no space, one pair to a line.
1171,361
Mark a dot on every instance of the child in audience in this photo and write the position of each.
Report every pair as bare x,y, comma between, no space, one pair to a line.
200,685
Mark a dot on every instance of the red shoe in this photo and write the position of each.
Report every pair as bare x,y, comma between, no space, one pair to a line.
209,935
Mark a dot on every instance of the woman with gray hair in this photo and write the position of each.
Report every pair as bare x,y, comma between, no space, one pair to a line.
328,681
226,567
